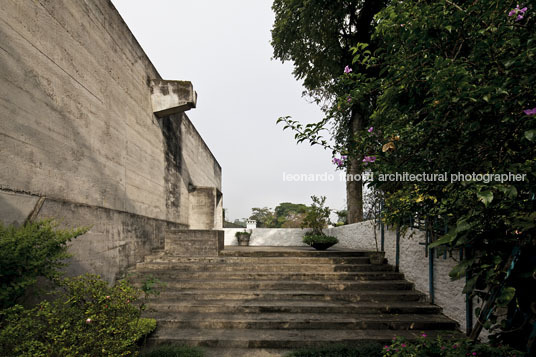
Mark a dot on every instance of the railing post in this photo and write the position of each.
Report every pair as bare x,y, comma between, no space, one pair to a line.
430,268
382,229
397,250
468,298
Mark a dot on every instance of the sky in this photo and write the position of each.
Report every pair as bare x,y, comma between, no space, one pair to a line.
223,48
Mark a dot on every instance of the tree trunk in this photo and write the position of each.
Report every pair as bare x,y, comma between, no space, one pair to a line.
354,188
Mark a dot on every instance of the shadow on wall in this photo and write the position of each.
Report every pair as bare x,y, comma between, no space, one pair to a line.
65,140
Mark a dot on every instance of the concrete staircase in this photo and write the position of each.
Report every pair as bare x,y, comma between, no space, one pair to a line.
284,298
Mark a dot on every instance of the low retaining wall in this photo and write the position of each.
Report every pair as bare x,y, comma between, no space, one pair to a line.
268,236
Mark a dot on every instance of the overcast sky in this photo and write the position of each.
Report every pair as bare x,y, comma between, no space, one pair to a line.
223,48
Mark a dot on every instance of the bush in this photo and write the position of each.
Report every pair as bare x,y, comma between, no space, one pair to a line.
364,350
309,238
441,347
317,216
88,318
174,351
27,252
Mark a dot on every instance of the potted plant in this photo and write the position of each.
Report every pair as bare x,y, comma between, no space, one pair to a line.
317,218
243,237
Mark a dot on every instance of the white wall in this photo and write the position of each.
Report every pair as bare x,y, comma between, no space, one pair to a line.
268,236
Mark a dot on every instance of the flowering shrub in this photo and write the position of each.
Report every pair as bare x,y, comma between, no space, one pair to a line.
441,347
88,318
27,252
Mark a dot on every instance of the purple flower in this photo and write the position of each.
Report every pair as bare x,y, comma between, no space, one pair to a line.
519,12
347,70
371,129
530,111
403,345
339,162
369,159
424,335
349,99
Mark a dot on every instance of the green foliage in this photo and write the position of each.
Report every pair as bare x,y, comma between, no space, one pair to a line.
317,36
265,217
342,217
362,350
310,238
174,351
27,252
88,318
285,215
243,234
317,217
444,347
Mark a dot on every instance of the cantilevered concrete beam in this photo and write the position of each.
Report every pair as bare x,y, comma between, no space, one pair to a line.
172,97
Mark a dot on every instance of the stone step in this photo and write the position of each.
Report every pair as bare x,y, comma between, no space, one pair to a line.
302,321
171,275
267,295
221,267
292,306
263,338
303,252
165,258
245,285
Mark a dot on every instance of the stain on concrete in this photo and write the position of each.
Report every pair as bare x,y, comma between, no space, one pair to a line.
171,133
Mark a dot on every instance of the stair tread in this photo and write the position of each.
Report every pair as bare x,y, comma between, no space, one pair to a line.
311,304
290,292
327,335
309,317
292,282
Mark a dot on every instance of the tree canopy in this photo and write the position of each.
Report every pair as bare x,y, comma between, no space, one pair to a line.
455,96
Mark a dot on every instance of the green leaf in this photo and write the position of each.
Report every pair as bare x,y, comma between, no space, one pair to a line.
530,134
506,295
485,197
446,239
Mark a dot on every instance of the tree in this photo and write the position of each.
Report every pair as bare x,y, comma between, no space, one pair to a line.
456,96
317,35
285,215
265,217
290,215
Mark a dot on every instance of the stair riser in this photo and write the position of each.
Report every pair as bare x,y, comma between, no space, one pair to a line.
312,325
322,268
167,276
297,297
291,309
256,286
252,260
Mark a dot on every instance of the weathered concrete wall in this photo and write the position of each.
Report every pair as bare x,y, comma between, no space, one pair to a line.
268,236
77,126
